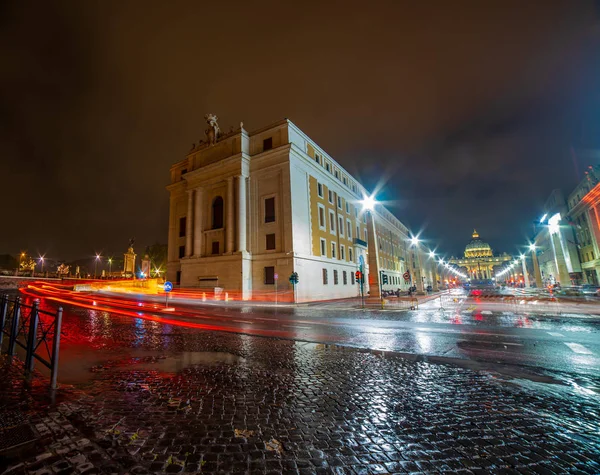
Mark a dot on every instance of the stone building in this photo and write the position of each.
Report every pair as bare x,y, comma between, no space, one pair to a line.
584,218
479,260
249,208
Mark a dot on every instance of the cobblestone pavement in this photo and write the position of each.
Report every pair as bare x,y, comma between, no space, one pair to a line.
175,400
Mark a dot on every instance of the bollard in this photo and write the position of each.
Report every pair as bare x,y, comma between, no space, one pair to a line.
3,313
55,348
14,328
32,338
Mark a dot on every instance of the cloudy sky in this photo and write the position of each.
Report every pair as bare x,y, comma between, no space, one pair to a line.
466,114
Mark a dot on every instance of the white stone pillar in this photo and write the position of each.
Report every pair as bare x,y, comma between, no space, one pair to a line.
525,273
229,236
189,221
198,224
241,213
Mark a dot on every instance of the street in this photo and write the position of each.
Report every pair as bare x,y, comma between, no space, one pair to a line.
249,389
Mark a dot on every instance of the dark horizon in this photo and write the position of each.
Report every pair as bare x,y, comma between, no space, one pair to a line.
462,118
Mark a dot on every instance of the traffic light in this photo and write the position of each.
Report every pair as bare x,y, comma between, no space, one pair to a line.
384,279
358,276
294,278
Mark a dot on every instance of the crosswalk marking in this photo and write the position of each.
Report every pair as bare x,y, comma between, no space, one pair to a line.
555,334
577,348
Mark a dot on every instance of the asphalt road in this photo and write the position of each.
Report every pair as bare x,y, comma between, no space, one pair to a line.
508,337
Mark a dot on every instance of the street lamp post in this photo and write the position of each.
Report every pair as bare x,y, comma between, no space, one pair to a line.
109,268
96,265
414,241
42,262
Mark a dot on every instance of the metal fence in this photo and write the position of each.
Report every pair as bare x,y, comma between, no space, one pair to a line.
36,331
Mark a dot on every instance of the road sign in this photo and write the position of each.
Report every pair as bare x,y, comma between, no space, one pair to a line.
168,286
406,276
276,276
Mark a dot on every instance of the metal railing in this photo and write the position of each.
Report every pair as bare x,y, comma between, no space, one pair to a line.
32,329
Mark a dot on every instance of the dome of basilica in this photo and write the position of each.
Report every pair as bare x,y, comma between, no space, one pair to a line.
477,248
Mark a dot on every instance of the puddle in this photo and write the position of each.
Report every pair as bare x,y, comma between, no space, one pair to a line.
174,364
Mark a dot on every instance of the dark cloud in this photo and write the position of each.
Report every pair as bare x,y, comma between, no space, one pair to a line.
468,113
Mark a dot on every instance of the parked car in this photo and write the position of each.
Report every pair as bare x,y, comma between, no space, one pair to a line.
589,289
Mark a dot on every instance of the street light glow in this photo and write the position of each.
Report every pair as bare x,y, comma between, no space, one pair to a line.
522,256
414,241
532,247
368,203
431,254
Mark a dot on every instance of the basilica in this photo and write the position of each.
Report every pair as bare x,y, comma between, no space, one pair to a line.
479,260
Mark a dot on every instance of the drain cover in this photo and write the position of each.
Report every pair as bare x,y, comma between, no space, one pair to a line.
14,431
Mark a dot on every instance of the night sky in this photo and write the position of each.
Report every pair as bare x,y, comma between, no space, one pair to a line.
469,112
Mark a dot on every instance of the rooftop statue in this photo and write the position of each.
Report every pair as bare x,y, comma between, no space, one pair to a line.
213,132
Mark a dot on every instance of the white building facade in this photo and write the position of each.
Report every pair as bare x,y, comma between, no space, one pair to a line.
249,209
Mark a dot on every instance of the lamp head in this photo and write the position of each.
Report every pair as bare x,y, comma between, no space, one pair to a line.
368,203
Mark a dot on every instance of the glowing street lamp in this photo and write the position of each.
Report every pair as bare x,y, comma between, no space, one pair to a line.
42,263
536,266
368,203
96,265
109,266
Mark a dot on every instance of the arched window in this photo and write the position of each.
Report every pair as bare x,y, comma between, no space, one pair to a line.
217,213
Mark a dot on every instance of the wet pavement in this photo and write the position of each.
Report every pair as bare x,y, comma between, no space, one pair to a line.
143,396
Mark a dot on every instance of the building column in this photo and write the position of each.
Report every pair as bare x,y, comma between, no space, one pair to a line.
242,213
198,224
189,221
229,236
525,273
536,269
561,266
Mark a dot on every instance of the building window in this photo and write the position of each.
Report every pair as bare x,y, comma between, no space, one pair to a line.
217,213
181,251
365,218
325,277
268,144
333,246
349,226
270,210
341,225
337,175
326,166
345,181
215,247
335,277
357,232
269,275
352,278
330,196
323,247
339,202
342,252
344,278
331,222
317,158
350,254
347,208
182,226
270,242
322,224
320,189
